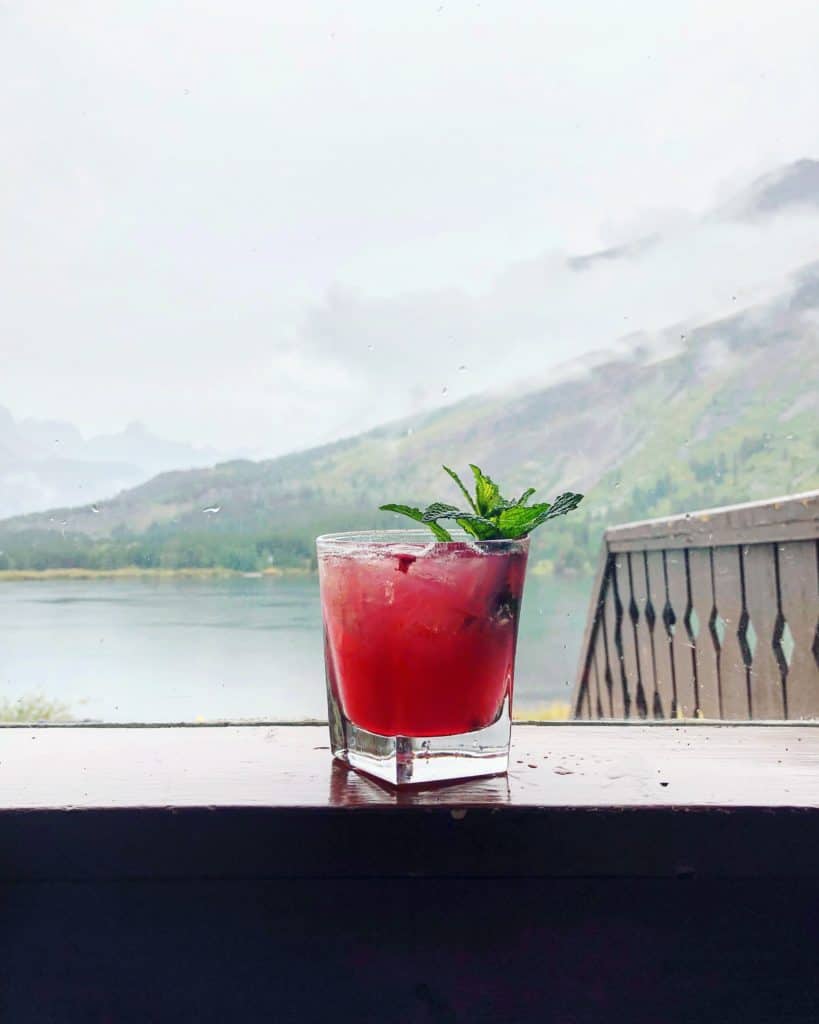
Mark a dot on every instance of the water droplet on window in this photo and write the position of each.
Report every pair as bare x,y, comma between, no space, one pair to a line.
409,431
462,367
212,509
444,389
95,508
789,437
370,348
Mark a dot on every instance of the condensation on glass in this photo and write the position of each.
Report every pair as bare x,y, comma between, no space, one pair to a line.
420,639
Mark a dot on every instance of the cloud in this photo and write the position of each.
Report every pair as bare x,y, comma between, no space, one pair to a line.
269,226
407,349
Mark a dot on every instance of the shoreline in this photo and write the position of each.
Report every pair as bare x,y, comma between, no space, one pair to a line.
217,572
132,572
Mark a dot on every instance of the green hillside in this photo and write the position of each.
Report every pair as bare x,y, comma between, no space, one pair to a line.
690,418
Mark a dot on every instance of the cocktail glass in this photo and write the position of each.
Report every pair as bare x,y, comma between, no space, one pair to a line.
420,640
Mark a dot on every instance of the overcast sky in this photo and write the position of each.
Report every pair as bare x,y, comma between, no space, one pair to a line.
263,224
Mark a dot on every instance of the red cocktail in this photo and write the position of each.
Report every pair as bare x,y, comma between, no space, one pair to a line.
420,644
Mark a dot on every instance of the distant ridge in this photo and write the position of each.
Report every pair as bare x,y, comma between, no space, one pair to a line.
710,410
729,414
47,463
795,185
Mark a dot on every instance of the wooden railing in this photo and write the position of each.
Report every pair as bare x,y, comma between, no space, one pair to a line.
710,615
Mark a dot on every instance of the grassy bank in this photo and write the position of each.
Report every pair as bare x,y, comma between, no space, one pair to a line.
34,709
554,711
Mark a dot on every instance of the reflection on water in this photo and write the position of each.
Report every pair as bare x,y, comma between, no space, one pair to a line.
186,649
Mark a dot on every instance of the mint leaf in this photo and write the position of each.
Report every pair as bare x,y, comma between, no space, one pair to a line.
418,516
498,507
487,492
438,510
562,504
404,510
482,529
518,520
464,491
504,504
440,532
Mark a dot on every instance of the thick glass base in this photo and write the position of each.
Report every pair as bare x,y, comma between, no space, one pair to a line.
414,760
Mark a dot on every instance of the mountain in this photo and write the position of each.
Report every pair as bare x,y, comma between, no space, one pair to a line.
796,185
47,463
682,269
690,417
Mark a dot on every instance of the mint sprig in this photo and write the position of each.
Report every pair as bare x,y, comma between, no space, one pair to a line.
490,515
418,516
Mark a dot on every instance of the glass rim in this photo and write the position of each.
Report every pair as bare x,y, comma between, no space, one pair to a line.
410,536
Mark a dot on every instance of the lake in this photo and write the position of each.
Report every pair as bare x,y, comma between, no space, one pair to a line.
156,650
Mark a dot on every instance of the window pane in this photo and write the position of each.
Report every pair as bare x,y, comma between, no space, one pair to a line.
272,265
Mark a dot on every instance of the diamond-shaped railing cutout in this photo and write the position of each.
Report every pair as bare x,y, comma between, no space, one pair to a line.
669,619
782,643
633,611
746,634
651,615
752,638
788,643
815,647
692,623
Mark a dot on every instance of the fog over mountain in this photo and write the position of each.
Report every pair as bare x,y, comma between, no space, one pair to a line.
723,411
412,352
48,463
271,225
406,355
793,187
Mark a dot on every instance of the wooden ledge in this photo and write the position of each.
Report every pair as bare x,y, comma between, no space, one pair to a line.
283,766
267,801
